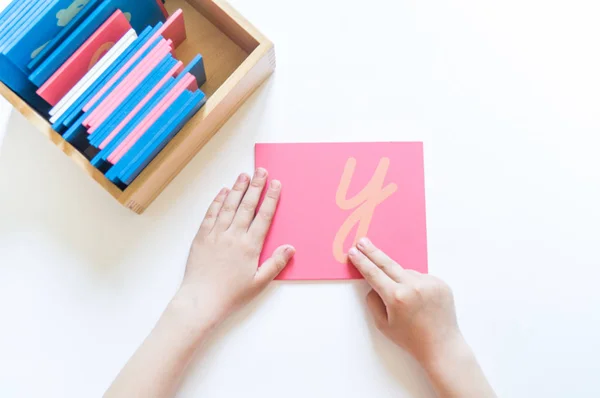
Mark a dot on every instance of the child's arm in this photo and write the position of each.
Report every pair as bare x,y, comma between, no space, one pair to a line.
417,313
222,275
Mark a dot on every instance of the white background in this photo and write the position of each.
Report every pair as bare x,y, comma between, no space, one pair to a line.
505,96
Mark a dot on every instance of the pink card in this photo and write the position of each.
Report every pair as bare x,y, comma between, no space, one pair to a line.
187,82
173,29
173,72
90,52
334,194
126,87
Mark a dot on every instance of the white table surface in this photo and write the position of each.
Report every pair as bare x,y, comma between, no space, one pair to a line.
505,96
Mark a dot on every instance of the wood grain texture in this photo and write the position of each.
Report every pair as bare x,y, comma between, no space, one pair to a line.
230,22
238,58
221,55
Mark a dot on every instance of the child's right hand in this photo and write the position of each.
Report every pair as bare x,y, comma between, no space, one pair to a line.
413,310
417,312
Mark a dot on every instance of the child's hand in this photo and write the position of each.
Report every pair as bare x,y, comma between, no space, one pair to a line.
222,272
415,311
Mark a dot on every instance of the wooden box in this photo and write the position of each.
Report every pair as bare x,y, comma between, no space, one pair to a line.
238,58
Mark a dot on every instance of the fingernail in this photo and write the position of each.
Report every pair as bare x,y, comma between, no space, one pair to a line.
289,251
364,242
353,252
260,173
224,191
243,178
275,184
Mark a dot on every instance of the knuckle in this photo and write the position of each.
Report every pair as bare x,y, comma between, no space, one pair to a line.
197,243
439,282
399,296
247,206
222,238
257,183
370,272
370,249
418,288
421,289
443,287
382,265
251,251
267,215
228,208
240,186
272,194
249,247
220,198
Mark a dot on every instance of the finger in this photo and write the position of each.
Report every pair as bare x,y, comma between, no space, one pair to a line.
247,209
262,222
380,259
412,273
378,280
273,266
232,202
378,310
213,211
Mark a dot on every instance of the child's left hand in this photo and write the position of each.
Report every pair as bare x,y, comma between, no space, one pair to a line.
222,271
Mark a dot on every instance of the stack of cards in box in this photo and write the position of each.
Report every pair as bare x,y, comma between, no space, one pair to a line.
104,73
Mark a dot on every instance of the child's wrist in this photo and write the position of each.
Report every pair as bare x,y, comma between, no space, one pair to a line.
189,312
453,351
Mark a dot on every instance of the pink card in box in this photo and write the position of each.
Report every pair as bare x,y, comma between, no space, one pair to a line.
173,29
126,87
335,193
84,59
187,82
173,72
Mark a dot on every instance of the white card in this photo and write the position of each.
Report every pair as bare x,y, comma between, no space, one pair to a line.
92,75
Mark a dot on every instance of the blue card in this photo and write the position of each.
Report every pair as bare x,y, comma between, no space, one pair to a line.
75,15
14,78
10,74
8,10
13,16
140,92
135,152
24,22
75,111
39,34
160,140
196,68
159,135
142,15
13,32
102,156
10,14
176,108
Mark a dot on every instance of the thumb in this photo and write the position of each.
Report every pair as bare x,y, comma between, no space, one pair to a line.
377,309
274,265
